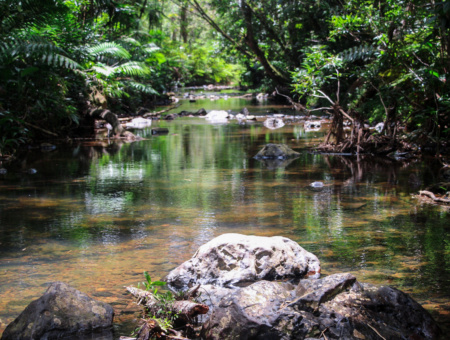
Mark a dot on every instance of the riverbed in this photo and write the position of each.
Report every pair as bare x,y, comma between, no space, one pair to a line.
98,214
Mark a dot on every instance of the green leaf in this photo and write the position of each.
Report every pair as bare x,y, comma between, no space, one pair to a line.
434,73
158,283
28,71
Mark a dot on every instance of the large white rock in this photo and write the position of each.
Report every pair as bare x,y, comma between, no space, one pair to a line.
139,123
231,259
217,116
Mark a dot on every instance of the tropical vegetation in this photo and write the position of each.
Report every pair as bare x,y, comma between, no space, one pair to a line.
377,61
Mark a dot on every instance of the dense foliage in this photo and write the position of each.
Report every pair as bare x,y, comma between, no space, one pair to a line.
59,58
376,60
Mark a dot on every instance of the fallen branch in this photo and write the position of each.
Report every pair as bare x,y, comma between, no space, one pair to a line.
433,197
41,129
152,329
296,106
162,111
382,337
184,308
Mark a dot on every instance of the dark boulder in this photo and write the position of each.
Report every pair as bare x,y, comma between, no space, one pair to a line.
336,306
171,116
276,151
185,113
60,313
201,112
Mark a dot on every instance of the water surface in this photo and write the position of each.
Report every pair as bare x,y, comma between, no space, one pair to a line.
97,215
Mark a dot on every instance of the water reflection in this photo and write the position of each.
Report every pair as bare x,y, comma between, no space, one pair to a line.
97,216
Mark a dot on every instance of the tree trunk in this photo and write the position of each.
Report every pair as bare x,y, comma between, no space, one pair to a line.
183,23
113,120
252,43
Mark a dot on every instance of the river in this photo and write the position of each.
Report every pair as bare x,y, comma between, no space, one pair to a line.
98,214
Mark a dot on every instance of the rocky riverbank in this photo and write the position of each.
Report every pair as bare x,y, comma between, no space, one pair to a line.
250,287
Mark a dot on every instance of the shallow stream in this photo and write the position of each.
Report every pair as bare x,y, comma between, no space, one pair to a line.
97,215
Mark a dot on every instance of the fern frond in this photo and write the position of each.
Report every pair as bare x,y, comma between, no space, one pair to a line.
132,68
109,48
150,48
59,60
364,52
103,69
139,87
130,41
45,51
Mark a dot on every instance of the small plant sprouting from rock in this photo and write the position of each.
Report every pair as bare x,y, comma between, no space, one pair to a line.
164,311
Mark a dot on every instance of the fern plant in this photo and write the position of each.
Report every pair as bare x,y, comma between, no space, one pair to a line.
112,73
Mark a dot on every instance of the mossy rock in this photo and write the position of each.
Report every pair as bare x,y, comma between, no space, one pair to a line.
276,151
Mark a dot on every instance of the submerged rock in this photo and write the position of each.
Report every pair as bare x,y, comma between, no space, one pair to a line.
232,259
279,151
60,312
276,163
337,306
31,171
47,147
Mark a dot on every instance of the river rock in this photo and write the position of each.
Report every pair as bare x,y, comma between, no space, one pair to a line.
244,111
201,112
316,184
61,311
273,123
217,115
171,116
139,123
279,151
337,306
232,259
